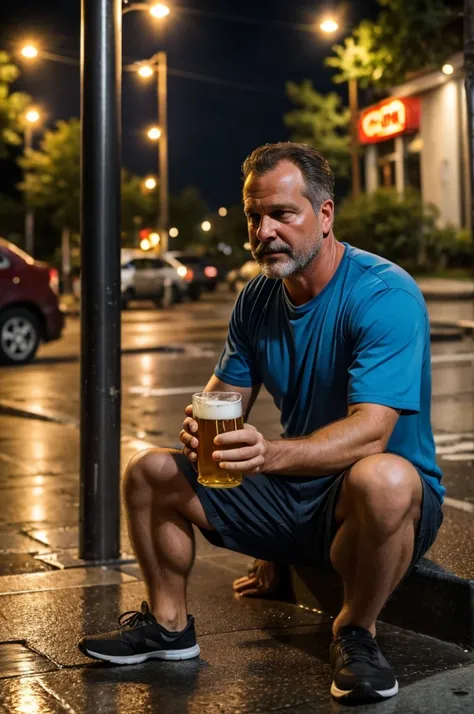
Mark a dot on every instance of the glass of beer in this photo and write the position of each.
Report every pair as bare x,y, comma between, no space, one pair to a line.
216,413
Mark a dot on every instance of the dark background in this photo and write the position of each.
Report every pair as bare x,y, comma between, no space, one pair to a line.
212,127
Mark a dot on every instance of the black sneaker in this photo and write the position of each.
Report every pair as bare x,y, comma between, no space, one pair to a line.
360,671
141,637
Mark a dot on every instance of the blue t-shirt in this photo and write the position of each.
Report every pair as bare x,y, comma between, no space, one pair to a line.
364,338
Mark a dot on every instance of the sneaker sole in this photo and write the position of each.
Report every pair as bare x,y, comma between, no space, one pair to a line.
363,692
169,655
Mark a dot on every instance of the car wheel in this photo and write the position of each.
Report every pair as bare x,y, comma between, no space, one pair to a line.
20,336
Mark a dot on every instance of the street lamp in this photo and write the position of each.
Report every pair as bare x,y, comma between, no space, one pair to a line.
146,70
448,68
206,226
150,183
329,26
154,133
29,51
174,232
222,211
32,117
160,10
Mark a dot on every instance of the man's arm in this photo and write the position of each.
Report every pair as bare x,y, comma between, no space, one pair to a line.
365,431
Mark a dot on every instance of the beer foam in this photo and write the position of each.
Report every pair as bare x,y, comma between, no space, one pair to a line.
212,409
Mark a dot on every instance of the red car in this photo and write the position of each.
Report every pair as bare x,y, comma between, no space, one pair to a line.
29,305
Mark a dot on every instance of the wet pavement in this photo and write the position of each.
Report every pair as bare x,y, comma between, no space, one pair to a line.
257,656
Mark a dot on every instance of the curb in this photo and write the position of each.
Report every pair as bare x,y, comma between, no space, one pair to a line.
464,326
430,601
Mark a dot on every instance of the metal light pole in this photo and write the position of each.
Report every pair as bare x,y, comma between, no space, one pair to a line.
29,213
354,110
162,74
100,279
469,85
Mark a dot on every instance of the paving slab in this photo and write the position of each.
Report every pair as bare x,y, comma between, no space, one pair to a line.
61,579
53,622
19,563
242,672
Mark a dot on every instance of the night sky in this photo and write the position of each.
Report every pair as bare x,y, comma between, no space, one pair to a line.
211,127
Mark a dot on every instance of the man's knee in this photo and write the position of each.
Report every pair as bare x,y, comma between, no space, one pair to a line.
382,490
150,470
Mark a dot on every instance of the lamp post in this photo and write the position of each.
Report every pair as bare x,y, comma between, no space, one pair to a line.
158,64
329,26
32,117
469,86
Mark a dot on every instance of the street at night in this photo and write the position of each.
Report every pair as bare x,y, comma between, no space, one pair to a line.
253,651
236,357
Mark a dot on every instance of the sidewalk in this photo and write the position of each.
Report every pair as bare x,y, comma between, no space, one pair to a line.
257,655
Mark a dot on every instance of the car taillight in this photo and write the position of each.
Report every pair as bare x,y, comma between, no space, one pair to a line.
54,280
189,275
210,271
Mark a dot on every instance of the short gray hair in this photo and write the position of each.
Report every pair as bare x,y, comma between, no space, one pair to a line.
317,174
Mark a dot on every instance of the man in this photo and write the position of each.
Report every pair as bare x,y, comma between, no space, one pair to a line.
340,338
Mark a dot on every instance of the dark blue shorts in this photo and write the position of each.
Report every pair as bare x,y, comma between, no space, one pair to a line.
288,520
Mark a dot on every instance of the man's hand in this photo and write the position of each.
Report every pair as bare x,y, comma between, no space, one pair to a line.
187,434
248,458
263,579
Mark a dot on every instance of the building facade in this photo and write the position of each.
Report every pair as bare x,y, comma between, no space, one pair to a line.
418,137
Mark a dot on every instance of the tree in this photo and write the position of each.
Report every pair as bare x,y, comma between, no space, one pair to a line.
12,105
52,174
322,121
405,39
362,56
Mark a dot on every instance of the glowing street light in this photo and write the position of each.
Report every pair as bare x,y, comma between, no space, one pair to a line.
174,233
150,183
329,26
154,239
448,68
206,226
222,211
32,116
154,133
29,51
159,10
146,71
145,244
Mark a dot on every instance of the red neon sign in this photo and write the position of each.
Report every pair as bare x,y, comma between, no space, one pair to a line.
389,118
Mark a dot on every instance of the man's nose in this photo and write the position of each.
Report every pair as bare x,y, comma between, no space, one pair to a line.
266,230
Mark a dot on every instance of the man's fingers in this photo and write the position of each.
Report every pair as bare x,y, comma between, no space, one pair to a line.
192,456
245,582
241,436
188,439
189,410
245,453
251,466
190,425
254,592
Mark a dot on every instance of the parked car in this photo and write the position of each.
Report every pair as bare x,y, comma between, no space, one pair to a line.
238,278
29,305
206,272
161,279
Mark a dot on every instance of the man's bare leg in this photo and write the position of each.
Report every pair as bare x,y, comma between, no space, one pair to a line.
161,508
378,511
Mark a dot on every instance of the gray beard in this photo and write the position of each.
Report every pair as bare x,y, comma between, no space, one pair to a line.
290,265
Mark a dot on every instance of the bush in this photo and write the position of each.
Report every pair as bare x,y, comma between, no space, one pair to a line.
402,229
